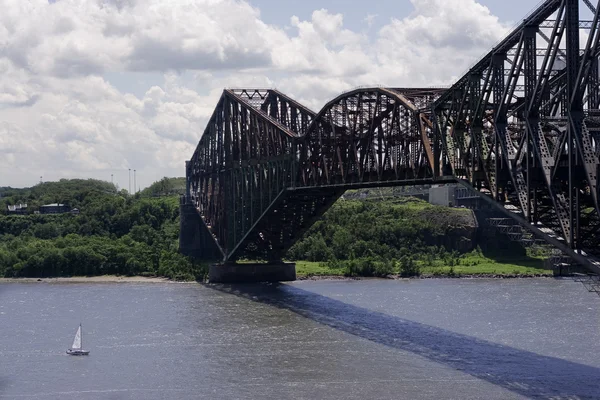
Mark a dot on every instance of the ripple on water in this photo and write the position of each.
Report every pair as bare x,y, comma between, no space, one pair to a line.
431,339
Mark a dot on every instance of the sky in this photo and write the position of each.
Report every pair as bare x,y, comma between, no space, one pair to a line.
93,88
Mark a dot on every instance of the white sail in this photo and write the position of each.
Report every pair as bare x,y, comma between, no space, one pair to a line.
77,340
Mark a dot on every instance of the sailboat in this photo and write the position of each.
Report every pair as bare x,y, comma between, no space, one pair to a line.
77,347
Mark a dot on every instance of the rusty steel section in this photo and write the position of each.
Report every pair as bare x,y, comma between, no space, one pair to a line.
522,127
267,167
367,135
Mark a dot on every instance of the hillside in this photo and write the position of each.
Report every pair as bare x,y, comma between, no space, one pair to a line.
165,187
387,235
388,229
113,234
72,192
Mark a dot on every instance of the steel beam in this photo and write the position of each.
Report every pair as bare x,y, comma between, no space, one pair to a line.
522,126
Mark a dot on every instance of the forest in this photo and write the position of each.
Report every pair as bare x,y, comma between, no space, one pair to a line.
115,233
120,234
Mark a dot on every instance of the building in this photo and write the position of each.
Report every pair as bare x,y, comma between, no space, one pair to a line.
442,195
54,208
17,209
456,196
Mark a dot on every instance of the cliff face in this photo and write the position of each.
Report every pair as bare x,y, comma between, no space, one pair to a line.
459,225
462,239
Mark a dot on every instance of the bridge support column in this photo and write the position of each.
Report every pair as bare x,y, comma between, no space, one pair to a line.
195,239
247,273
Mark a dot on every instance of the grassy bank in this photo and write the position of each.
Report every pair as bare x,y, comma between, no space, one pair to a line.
406,237
471,264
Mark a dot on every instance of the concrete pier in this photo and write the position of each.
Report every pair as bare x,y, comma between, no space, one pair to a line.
246,273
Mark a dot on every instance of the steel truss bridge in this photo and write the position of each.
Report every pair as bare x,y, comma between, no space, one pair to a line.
522,127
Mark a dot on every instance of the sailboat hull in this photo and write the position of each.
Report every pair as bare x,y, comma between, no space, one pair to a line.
78,352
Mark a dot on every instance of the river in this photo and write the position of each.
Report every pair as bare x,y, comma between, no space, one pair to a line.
365,339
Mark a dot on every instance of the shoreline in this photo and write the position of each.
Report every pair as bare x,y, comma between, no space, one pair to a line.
422,277
90,279
304,278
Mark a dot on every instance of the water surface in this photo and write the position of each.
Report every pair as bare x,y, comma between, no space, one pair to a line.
368,339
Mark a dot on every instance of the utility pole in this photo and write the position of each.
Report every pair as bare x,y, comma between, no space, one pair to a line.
134,182
129,180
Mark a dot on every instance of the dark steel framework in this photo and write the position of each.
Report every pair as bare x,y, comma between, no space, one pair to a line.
522,127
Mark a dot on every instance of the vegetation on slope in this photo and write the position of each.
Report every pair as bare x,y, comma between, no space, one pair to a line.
138,235
72,192
404,236
165,187
113,234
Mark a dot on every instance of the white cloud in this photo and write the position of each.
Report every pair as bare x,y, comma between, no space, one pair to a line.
431,47
60,116
85,127
370,19
74,37
20,90
437,43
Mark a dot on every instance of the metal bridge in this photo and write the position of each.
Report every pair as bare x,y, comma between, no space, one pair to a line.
522,127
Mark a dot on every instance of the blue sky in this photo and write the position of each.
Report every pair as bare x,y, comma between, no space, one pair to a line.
279,12
90,88
355,14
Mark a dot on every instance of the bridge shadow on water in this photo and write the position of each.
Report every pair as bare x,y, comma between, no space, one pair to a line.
528,374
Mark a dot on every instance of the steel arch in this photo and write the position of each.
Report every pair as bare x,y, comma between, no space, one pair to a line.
522,127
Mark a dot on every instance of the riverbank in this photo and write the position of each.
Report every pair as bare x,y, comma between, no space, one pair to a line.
474,269
339,277
421,277
307,270
89,279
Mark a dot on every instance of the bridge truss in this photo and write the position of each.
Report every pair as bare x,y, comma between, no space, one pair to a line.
522,127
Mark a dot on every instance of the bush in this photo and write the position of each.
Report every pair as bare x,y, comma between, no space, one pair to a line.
366,266
359,267
313,248
385,268
408,267
184,277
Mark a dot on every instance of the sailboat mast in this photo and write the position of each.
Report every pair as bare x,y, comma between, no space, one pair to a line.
81,335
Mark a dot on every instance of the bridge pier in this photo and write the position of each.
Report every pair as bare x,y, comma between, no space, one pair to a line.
195,240
247,273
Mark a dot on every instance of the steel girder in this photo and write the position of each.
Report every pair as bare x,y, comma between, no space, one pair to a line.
280,107
241,165
367,135
267,167
521,124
